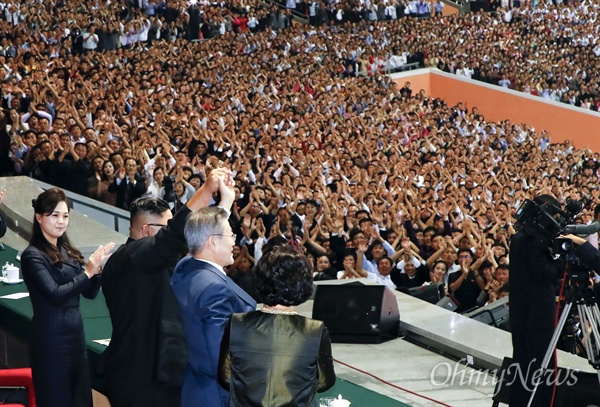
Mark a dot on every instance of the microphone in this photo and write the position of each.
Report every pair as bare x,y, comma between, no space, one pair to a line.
583,229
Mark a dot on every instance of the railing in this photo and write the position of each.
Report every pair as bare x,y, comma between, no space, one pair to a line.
387,71
297,16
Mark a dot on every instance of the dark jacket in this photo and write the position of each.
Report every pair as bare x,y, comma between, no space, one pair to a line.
126,191
279,360
403,280
145,360
533,277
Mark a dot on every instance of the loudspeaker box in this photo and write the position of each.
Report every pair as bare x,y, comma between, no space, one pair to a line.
357,313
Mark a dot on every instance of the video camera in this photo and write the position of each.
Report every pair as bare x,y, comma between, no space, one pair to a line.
547,220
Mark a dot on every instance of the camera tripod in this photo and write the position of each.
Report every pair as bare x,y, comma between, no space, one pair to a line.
589,318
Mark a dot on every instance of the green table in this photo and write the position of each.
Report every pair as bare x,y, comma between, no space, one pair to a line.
16,314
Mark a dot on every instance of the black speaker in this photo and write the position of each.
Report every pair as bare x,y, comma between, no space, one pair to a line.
357,313
448,302
432,293
494,314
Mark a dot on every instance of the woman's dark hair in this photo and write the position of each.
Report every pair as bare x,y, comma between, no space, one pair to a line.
349,252
284,277
435,263
369,252
103,175
485,264
44,205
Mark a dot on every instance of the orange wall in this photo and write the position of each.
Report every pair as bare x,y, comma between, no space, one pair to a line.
417,82
449,10
561,122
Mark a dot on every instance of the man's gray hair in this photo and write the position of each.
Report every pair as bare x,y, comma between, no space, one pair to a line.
202,224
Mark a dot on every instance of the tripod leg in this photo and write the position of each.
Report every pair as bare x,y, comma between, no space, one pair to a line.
590,319
595,322
552,346
585,326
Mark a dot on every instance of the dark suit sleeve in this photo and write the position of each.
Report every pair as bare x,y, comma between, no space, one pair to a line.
325,373
93,288
423,273
338,246
36,269
447,228
453,277
411,233
114,187
590,256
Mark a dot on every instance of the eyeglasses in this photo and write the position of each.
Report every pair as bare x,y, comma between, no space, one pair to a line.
464,257
233,235
156,224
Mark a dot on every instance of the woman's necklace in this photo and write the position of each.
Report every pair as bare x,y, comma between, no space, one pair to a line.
272,310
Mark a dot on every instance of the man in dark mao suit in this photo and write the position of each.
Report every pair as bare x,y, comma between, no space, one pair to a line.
128,184
144,363
534,273
208,297
533,276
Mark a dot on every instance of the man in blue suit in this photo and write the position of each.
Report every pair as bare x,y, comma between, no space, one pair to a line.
207,297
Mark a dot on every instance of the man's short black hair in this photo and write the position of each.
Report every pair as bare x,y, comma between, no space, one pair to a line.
360,212
431,229
349,252
313,203
386,258
436,234
365,220
354,232
468,251
148,206
116,153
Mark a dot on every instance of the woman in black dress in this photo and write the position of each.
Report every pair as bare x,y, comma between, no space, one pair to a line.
56,274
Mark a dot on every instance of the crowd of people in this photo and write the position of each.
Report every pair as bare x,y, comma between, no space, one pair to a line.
306,139
315,148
